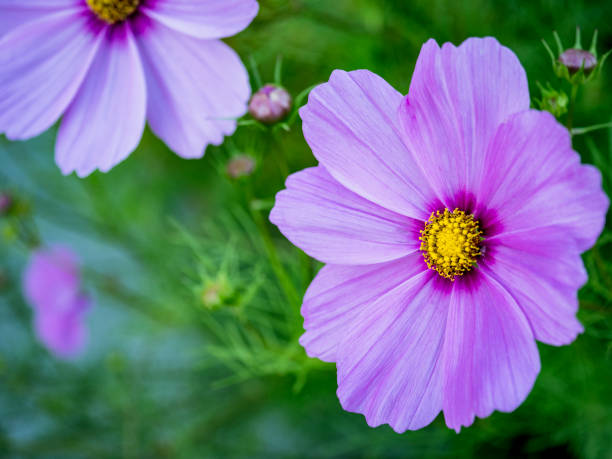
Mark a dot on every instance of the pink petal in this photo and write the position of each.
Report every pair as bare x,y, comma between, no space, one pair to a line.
335,225
542,271
351,125
51,274
104,123
338,294
533,179
42,65
490,358
203,18
64,335
458,96
51,284
388,363
195,89
14,13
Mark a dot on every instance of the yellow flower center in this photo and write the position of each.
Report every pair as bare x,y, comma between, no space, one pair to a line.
450,242
113,11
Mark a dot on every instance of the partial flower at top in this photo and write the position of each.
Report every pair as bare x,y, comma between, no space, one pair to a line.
107,65
452,222
52,286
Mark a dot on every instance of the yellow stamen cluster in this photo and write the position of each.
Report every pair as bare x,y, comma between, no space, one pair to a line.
450,242
113,11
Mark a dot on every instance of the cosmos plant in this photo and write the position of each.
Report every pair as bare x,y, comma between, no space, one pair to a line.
106,66
451,222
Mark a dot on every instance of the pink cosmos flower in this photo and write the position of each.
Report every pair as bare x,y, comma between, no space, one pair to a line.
52,285
106,65
452,222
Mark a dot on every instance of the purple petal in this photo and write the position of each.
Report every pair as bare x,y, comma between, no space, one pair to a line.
351,125
335,225
104,123
388,363
42,65
14,13
533,179
203,18
458,96
542,271
490,357
64,335
51,275
338,294
51,284
195,89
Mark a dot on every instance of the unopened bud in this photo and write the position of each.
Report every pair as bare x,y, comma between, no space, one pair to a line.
576,64
553,101
217,292
240,166
576,59
270,104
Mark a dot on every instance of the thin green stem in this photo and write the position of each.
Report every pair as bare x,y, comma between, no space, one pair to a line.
112,287
570,113
255,72
306,269
285,282
278,70
282,161
595,127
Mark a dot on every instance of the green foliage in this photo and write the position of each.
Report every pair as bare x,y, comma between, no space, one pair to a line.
193,349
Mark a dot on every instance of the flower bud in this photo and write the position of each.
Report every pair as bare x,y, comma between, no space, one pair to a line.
270,104
553,101
217,292
240,166
6,202
576,59
575,64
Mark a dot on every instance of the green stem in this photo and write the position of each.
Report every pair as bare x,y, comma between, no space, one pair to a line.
281,157
285,282
112,287
570,113
584,130
27,232
306,269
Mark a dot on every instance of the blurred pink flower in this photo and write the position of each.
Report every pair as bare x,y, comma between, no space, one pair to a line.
106,66
52,285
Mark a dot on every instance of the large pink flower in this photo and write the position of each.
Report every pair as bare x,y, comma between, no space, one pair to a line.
452,222
108,65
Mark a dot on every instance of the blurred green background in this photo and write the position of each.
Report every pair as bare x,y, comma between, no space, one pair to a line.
170,372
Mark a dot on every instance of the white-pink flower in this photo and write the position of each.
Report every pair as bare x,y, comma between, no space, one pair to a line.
109,66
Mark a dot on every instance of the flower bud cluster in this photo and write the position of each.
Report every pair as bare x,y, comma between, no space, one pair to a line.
576,64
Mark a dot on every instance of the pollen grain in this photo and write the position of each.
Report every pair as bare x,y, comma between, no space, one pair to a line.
450,242
113,11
